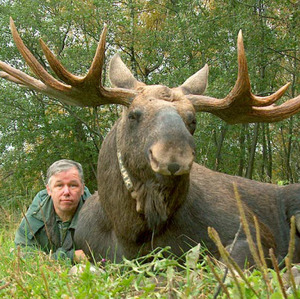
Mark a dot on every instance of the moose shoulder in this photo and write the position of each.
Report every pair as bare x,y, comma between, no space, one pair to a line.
150,192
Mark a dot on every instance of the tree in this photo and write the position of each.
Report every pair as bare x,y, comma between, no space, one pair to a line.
163,42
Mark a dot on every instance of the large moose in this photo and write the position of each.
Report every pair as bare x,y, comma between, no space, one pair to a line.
150,192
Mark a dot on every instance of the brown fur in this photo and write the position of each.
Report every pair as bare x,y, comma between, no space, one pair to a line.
170,210
168,200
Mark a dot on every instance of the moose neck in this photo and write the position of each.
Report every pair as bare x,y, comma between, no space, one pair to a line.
125,175
162,199
157,197
153,201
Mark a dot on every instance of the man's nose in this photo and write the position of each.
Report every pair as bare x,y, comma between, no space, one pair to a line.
66,190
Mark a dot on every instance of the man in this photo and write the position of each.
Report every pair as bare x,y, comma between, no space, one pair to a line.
51,219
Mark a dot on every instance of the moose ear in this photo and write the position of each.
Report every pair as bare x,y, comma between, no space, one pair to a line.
197,83
119,75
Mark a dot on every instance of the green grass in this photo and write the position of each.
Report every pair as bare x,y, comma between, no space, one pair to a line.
37,276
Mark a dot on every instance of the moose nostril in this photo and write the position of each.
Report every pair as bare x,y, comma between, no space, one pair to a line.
173,168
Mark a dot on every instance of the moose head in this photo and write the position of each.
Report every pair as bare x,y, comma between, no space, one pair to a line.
150,191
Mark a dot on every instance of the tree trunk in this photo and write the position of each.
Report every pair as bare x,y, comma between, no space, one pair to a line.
249,172
266,166
219,146
264,154
287,147
270,158
242,149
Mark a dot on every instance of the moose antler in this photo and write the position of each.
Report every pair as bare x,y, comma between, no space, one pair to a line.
81,91
240,105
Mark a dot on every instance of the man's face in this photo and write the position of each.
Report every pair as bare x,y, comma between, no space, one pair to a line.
65,189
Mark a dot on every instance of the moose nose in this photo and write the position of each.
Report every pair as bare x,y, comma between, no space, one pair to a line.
173,168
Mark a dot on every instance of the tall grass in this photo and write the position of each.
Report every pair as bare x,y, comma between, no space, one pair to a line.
153,276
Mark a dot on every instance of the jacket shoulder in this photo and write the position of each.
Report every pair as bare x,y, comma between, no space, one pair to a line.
30,224
38,201
86,193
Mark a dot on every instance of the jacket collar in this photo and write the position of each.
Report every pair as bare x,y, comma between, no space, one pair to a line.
45,209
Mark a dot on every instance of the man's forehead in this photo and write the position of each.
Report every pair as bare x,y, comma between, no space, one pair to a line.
74,180
70,174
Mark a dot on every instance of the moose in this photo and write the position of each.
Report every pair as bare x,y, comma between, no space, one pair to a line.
151,193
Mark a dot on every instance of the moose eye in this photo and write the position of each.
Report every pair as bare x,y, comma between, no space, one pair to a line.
135,115
191,123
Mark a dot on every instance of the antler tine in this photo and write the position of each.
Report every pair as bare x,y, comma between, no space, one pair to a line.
242,88
80,91
243,81
242,84
17,76
58,68
95,72
8,77
277,113
22,79
33,63
240,105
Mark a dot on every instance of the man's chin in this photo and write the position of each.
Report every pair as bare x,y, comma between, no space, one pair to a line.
68,206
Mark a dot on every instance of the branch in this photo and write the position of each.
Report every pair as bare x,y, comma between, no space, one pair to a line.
282,53
80,119
64,39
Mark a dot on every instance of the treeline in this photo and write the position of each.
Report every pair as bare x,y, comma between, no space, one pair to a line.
162,41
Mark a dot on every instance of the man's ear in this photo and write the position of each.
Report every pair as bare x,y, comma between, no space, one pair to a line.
83,185
48,190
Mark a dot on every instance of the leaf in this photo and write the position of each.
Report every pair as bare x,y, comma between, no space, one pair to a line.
192,257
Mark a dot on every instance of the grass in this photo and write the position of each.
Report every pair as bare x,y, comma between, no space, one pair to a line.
38,276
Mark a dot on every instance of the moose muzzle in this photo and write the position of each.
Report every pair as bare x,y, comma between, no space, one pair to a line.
173,151
171,160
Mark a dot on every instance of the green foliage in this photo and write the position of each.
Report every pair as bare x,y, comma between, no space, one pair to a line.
153,276
162,42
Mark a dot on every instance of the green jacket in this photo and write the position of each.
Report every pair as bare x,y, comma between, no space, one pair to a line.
41,228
